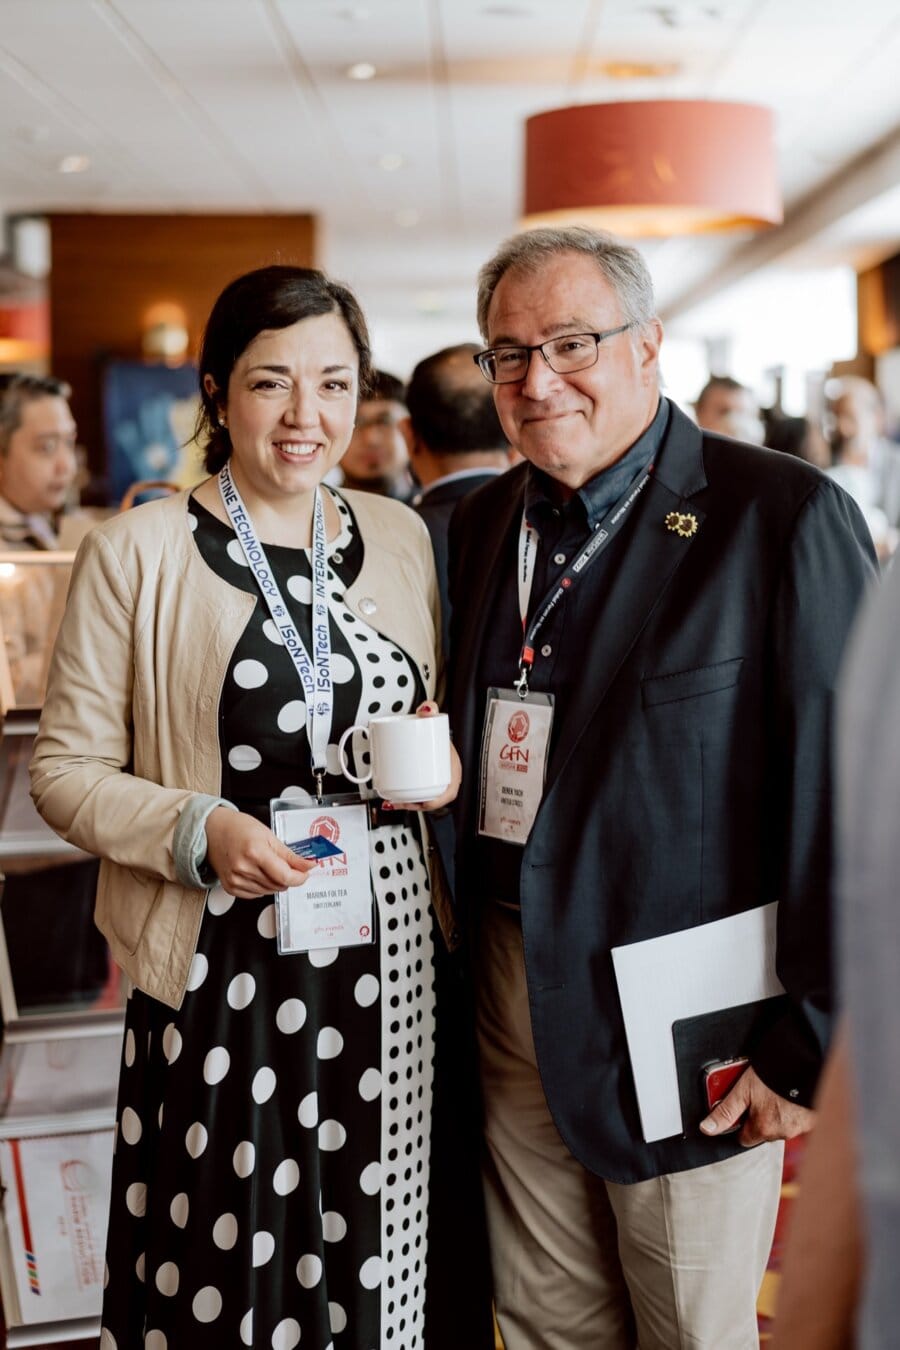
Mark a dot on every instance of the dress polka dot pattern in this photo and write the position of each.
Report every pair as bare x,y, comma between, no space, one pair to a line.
270,1183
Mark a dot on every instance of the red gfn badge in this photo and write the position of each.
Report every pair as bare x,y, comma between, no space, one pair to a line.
519,725
327,826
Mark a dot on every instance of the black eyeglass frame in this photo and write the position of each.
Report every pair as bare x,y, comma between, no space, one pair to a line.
481,358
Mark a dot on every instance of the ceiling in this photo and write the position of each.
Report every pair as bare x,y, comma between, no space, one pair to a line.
415,174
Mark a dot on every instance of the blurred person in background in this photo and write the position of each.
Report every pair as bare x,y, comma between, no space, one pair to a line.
38,462
839,1278
376,459
864,461
726,406
455,442
799,436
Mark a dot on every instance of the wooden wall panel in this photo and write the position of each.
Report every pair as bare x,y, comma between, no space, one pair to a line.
107,270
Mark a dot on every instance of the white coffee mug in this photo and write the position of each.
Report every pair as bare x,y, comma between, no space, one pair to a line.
410,756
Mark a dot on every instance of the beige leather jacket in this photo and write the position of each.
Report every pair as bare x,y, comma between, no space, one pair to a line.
126,762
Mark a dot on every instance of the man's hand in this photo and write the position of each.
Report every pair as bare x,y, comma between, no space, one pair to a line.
768,1116
248,858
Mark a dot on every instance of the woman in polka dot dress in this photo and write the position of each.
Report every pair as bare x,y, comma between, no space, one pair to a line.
271,1175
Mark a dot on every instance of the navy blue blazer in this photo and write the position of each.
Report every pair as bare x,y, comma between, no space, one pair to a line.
691,778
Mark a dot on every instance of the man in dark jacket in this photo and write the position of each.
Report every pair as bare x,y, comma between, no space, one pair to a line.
647,626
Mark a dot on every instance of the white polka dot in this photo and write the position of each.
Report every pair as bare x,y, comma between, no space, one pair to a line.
334,1226
244,1159
263,1248
290,1016
370,1085
370,1273
193,521
366,990
333,760
131,1126
219,902
342,668
216,1065
286,1335
179,1210
329,1043
301,589
370,1178
297,794
250,674
263,1085
198,972
244,758
332,1136
129,1048
225,1232
308,1111
270,628
196,1139
292,717
136,1199
236,553
265,924
140,1267
323,956
155,1340
167,1279
286,1178
309,1271
171,1043
337,1317
246,1328
207,1304
240,991
107,1340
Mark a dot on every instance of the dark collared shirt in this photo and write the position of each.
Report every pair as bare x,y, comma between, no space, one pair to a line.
563,530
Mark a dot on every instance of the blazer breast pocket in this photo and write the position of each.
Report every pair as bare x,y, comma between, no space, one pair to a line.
683,684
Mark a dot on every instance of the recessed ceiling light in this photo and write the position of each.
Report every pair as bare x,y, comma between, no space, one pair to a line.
362,70
74,164
391,162
407,218
636,70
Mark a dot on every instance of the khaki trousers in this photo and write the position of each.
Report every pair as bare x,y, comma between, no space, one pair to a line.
674,1263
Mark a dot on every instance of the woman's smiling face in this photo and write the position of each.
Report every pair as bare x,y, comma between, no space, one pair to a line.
291,404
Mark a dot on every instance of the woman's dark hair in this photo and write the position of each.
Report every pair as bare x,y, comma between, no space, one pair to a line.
270,297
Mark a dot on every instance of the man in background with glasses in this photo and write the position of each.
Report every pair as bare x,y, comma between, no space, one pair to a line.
647,623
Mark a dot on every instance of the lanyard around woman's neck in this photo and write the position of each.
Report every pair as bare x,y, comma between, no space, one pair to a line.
314,672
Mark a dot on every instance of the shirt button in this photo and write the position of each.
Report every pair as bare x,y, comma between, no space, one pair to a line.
368,605
794,1092
556,511
559,559
546,649
337,557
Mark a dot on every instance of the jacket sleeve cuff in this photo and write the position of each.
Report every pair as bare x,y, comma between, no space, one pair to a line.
189,842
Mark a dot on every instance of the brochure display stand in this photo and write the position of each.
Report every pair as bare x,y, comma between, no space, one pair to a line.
61,1002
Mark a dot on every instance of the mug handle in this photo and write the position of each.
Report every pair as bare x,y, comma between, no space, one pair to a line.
342,755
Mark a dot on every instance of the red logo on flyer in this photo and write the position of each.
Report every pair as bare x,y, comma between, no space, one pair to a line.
519,726
327,826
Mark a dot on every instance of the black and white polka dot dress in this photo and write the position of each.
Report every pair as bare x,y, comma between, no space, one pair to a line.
270,1184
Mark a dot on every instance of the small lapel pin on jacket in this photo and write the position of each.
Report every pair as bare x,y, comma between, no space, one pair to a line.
684,523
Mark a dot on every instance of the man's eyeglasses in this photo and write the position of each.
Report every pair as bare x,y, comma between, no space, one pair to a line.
564,355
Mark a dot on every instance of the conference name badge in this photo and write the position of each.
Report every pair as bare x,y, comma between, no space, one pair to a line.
333,907
514,750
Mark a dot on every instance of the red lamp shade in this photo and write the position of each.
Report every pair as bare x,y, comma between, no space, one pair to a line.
646,169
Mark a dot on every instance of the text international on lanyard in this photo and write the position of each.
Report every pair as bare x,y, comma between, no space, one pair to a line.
315,672
603,534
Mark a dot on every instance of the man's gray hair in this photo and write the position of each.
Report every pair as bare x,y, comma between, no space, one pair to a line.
622,266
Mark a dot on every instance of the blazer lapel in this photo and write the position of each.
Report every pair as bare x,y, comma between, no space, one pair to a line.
656,541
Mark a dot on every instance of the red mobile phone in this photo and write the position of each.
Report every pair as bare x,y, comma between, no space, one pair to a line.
720,1077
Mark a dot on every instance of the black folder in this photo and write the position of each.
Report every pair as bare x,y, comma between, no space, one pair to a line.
723,1034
